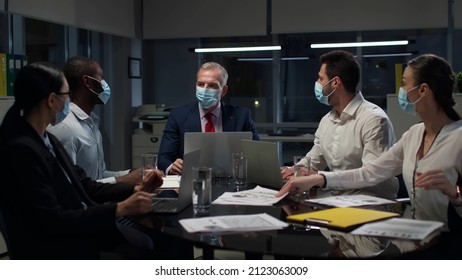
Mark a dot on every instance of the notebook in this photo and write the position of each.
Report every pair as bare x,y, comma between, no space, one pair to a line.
216,148
343,219
263,166
184,199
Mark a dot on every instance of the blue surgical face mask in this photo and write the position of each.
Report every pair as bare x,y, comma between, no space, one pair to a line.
60,116
207,97
105,94
324,99
404,103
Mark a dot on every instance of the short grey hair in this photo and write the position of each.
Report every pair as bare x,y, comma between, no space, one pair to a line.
214,65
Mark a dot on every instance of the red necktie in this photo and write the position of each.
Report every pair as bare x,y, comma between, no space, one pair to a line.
209,125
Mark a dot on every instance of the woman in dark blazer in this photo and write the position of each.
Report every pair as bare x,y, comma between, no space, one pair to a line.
51,209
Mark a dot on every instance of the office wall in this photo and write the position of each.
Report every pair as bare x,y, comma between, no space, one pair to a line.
298,16
5,103
205,18
171,69
116,17
116,116
458,13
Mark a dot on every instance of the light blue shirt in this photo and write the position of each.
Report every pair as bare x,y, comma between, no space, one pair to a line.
80,135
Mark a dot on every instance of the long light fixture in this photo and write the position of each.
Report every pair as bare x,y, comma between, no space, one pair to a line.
238,49
388,54
271,59
360,44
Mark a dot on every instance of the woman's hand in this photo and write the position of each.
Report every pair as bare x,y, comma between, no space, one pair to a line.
287,172
301,184
435,180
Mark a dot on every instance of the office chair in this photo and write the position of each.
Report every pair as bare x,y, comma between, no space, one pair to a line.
4,235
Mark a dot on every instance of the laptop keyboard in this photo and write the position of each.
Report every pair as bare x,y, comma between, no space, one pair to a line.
164,205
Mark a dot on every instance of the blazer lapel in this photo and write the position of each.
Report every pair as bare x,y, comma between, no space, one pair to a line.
227,116
68,167
193,119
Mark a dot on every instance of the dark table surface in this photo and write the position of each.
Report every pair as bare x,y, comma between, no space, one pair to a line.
292,242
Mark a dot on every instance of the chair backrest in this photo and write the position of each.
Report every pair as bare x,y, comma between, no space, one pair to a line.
3,235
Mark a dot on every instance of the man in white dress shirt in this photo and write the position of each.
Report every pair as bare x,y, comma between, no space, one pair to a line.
355,131
79,131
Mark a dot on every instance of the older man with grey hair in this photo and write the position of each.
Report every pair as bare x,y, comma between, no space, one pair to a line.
208,114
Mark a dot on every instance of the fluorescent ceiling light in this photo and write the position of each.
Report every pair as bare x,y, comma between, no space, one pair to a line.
239,49
271,59
360,44
387,54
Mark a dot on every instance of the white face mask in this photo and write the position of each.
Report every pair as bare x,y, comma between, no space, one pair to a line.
61,115
324,99
105,94
207,97
406,105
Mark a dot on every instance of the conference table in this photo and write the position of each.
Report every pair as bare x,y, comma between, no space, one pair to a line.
292,242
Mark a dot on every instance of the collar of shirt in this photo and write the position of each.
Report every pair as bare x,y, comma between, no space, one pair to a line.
216,112
47,142
81,115
349,111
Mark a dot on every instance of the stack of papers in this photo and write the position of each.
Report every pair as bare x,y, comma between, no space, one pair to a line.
171,182
257,196
351,200
233,223
400,228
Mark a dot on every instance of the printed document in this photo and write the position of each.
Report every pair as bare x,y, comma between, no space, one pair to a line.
351,200
400,228
257,196
232,223
171,182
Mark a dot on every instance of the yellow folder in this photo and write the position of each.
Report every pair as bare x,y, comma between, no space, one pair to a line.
345,219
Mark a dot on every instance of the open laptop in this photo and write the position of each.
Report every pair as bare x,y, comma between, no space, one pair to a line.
216,148
184,199
263,166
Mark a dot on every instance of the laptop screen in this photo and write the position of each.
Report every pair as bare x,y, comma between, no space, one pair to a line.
262,163
216,148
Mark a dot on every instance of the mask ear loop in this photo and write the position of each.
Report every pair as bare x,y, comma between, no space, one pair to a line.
420,93
327,84
85,80
89,87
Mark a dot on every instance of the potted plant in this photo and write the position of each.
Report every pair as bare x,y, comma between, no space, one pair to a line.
459,81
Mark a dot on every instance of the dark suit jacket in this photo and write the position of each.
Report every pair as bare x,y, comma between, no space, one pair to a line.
186,118
44,212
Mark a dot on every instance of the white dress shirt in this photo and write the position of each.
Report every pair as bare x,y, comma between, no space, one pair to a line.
445,154
80,135
361,133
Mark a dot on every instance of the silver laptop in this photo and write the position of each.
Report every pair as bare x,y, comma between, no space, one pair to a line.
216,148
263,166
184,199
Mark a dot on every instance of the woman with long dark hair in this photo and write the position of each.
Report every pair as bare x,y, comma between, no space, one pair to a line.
429,154
51,209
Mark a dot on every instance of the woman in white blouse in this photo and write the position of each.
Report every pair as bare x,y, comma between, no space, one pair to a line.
429,155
